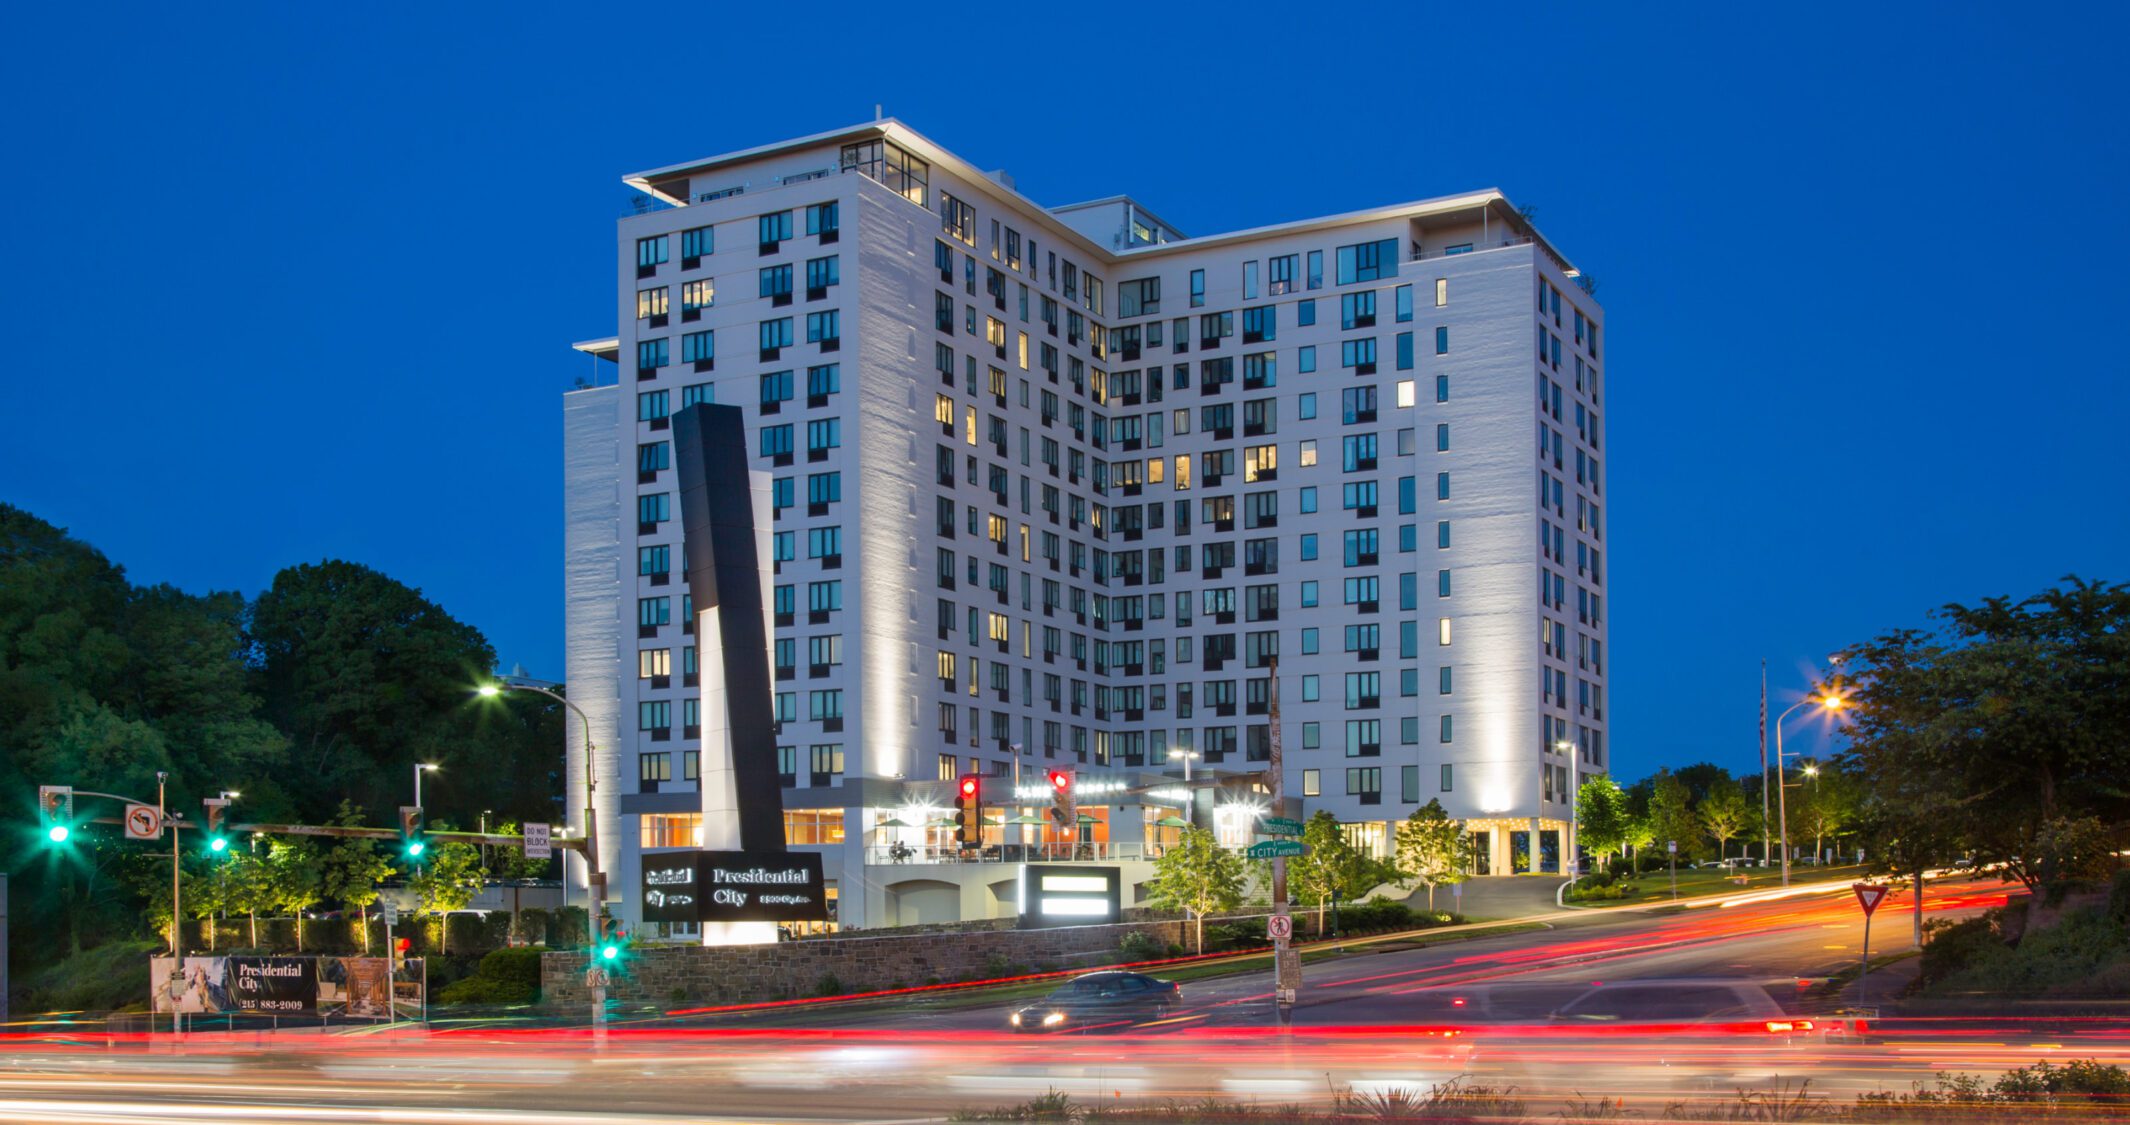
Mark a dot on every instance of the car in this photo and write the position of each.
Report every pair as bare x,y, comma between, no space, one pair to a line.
1693,1007
1107,999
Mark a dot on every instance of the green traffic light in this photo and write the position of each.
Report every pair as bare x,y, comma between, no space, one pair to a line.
414,847
609,952
218,845
59,833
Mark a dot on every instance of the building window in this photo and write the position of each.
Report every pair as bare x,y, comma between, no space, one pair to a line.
1442,341
1311,785
771,230
1445,680
1366,784
957,218
1368,261
1443,632
825,329
822,220
890,166
698,347
696,243
654,715
820,274
1446,728
650,254
1446,777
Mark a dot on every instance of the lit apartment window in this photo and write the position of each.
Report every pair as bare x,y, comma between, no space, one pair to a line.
1443,631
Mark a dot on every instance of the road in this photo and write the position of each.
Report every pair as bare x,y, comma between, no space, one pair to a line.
1365,1027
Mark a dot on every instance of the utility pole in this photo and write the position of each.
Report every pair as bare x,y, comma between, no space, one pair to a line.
1286,960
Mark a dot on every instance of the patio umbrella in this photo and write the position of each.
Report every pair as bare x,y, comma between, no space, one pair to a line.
1172,822
1024,818
891,822
942,822
1086,819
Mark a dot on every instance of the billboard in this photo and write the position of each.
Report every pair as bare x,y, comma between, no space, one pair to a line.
343,987
750,886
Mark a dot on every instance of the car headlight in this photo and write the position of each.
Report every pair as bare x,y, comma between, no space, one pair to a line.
1053,1019
1016,1018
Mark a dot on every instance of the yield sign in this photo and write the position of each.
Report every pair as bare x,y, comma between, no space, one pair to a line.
1868,895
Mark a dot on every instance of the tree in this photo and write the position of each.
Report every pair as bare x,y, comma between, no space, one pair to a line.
294,879
448,880
1434,849
1332,868
248,887
1601,817
2003,717
351,870
1198,876
1723,816
1830,799
1671,814
1637,834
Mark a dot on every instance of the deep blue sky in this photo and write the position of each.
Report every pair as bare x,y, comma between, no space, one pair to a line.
300,283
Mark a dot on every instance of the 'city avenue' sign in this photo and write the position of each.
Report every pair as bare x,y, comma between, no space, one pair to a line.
1273,849
1280,826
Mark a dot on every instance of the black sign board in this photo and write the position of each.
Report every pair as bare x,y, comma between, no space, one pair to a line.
273,985
734,887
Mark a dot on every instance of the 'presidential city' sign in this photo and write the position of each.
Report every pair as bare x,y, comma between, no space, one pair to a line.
734,887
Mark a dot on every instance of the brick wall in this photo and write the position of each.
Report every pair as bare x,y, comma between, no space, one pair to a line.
739,974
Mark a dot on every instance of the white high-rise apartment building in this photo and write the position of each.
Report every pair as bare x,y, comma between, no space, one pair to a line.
1054,485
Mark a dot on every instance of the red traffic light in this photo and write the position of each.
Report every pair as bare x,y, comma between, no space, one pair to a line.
968,787
1059,779
401,944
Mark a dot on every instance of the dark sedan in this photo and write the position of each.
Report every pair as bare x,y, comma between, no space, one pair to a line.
1100,1000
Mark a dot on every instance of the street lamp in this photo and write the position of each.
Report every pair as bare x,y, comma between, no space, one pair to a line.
595,881
421,768
1570,862
1179,754
1831,702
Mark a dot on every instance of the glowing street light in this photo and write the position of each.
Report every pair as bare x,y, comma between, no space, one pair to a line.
1828,701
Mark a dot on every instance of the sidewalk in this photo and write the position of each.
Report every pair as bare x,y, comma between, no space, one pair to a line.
1885,983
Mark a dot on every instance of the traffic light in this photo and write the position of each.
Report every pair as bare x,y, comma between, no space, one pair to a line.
414,843
969,811
55,811
217,840
1064,810
613,942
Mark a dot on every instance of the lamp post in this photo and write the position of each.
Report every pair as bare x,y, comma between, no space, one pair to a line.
594,880
1831,702
1179,754
421,768
1570,862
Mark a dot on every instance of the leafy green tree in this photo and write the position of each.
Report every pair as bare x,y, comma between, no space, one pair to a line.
1332,869
446,881
1671,813
1434,849
1829,798
368,678
1636,834
1198,876
295,878
1601,817
2004,717
248,887
1723,816
350,870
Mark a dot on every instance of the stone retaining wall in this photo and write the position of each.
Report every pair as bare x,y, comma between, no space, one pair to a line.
740,974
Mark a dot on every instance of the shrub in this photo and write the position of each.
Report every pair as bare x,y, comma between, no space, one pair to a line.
1953,946
1376,914
111,976
2119,897
1140,946
829,984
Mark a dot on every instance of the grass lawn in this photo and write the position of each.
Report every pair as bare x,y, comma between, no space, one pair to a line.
1655,886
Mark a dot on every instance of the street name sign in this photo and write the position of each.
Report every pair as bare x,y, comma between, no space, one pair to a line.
536,842
1273,849
1281,826
1868,895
